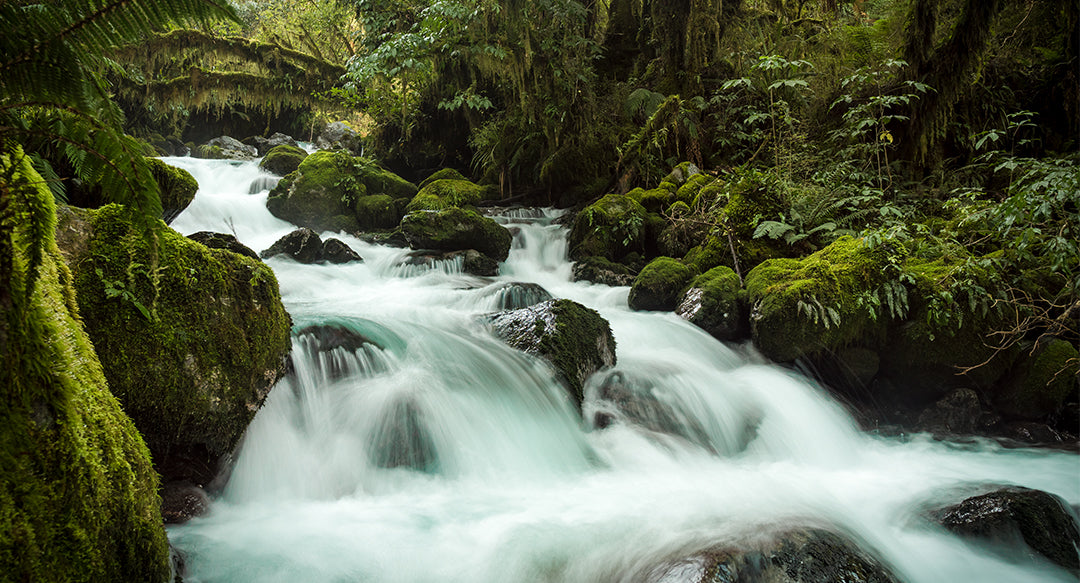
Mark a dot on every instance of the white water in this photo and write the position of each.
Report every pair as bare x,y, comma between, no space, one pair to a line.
516,486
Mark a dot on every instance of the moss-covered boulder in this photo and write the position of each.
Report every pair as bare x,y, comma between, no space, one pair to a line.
1041,382
715,302
320,195
378,211
178,188
444,193
600,270
191,339
688,192
225,148
455,229
659,284
824,301
611,227
283,160
78,493
654,200
442,174
576,340
379,180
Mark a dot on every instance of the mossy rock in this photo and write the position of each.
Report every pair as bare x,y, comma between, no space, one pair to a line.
178,188
456,229
600,270
752,196
716,303
324,186
715,251
689,191
377,212
654,200
1042,382
442,174
445,193
820,303
680,174
78,494
190,347
283,159
713,194
379,180
611,227
575,339
659,284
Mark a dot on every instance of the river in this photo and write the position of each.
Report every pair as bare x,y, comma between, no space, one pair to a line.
517,485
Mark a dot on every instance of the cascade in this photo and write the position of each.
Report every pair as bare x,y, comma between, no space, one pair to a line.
409,445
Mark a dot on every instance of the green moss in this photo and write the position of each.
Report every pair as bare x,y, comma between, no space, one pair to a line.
752,196
688,191
669,187
573,346
611,227
713,194
377,212
455,229
458,193
442,174
178,186
426,201
78,495
659,284
283,159
208,152
379,180
655,200
324,186
822,302
191,339
715,302
714,251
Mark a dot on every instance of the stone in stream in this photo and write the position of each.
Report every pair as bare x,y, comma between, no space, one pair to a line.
303,245
806,555
1015,518
336,251
572,338
227,148
223,241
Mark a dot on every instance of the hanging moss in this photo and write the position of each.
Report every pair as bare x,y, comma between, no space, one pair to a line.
78,495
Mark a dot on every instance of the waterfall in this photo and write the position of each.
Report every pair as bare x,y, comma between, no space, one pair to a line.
409,445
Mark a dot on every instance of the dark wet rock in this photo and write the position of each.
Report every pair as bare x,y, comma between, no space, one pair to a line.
1015,518
334,343
958,412
517,295
573,338
339,136
622,397
303,245
329,337
1040,384
456,229
393,238
336,251
181,501
223,241
715,302
1030,432
658,285
264,145
799,556
401,439
283,159
602,271
225,147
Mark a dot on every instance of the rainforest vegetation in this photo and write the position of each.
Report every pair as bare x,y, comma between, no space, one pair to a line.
913,160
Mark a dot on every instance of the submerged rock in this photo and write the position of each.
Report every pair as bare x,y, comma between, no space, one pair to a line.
190,349
809,555
401,438
516,295
1015,518
573,338
78,492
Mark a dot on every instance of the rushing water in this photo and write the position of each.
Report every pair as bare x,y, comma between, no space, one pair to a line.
508,482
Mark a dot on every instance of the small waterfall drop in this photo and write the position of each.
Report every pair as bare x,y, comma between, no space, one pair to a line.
409,445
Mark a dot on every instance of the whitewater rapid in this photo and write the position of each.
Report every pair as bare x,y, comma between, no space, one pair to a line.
520,486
